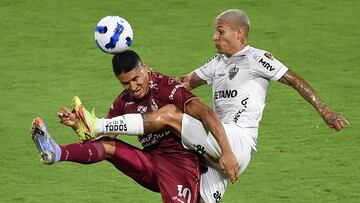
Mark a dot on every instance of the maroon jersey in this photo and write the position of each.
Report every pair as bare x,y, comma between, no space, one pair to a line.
163,90
163,165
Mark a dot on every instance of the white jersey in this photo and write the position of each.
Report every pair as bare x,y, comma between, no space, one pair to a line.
239,86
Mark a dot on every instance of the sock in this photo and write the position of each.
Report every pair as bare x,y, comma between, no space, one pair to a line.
84,153
131,124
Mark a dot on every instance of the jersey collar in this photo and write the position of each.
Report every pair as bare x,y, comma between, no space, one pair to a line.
241,52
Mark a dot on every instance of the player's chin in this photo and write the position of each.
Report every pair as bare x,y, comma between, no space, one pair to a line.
219,49
138,95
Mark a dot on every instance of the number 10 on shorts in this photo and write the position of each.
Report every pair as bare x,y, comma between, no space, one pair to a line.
184,192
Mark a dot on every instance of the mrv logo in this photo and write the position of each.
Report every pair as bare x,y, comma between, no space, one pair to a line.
225,94
266,65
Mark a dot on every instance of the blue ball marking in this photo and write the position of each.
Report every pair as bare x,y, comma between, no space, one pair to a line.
101,29
128,41
115,38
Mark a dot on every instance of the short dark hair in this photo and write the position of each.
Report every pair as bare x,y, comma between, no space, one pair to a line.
125,62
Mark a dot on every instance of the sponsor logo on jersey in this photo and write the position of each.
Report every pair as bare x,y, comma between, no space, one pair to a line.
242,110
173,91
225,94
266,65
153,104
217,196
268,55
233,72
152,138
128,103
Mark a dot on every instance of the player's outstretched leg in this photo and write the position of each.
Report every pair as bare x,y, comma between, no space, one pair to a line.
89,125
50,152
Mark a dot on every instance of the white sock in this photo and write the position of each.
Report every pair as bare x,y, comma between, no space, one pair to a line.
131,124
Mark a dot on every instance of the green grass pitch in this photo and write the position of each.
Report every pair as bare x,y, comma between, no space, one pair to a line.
48,55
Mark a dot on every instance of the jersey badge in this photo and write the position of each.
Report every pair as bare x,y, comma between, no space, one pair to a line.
268,55
152,85
142,109
233,72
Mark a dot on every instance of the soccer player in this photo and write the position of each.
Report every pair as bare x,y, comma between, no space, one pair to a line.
164,165
239,75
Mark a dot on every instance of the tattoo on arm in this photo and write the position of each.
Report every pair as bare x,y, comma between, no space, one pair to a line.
305,90
149,123
190,81
195,80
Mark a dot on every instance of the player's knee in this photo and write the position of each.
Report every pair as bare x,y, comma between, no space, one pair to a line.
171,113
109,147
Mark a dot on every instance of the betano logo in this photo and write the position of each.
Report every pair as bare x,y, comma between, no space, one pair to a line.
225,94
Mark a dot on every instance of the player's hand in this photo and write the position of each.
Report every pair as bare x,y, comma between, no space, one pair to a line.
67,117
335,120
228,163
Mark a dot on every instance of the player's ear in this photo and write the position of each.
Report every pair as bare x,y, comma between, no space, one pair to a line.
145,67
240,33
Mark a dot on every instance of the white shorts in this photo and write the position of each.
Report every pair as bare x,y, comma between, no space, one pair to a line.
194,137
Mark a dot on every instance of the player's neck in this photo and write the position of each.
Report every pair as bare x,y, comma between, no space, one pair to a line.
236,50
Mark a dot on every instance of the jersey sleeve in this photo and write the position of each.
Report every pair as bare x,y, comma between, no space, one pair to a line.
175,93
207,71
263,64
116,108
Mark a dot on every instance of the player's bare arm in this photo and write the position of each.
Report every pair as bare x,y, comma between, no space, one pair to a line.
207,116
332,119
190,81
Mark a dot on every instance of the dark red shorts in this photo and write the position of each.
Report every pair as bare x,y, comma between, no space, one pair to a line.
176,175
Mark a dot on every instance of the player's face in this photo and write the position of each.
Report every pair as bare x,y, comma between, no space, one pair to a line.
226,38
136,81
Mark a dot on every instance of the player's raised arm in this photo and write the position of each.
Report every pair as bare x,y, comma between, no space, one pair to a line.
190,81
332,119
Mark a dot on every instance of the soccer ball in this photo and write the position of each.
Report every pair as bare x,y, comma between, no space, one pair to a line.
113,34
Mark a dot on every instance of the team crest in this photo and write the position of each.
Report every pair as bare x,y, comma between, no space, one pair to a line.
152,85
233,72
142,109
268,55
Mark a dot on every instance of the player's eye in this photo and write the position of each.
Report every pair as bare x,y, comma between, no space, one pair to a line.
135,79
